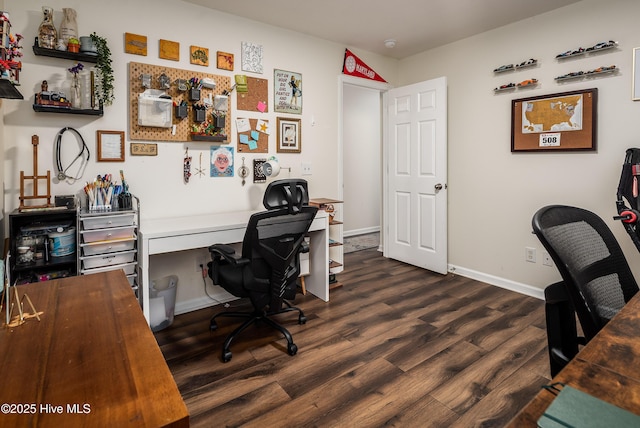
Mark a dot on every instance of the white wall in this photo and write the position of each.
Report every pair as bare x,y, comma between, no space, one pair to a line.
493,193
361,163
158,180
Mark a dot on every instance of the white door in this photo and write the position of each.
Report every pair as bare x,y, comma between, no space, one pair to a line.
415,205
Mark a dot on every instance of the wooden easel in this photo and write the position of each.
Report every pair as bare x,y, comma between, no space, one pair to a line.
36,178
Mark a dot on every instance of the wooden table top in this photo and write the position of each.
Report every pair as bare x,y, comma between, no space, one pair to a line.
607,368
91,361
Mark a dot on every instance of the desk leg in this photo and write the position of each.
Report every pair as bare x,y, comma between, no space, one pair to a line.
317,283
143,288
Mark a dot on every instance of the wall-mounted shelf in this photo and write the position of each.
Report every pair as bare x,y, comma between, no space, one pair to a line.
54,53
52,109
9,91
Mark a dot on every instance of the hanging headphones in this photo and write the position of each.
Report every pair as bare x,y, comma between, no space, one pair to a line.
62,172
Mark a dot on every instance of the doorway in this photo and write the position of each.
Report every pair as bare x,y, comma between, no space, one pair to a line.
360,149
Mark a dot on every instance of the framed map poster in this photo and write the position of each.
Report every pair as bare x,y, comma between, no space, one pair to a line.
556,122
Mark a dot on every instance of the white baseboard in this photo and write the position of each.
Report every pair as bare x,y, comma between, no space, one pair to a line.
518,287
363,231
199,303
528,290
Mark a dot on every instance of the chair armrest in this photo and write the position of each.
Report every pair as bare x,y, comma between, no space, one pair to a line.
228,253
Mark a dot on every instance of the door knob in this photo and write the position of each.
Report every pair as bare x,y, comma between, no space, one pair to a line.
438,187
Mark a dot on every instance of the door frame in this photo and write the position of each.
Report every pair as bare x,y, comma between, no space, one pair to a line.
381,87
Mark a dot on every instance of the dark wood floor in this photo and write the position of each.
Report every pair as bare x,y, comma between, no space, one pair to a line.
395,346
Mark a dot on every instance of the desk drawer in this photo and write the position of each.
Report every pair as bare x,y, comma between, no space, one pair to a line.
128,268
100,222
104,247
102,260
108,234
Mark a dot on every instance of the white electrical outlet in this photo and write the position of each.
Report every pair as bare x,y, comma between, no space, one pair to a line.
306,168
530,254
546,259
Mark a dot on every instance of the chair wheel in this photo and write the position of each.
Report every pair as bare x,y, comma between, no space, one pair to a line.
302,319
226,356
213,326
292,349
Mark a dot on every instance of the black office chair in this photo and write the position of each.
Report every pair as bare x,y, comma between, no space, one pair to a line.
269,266
596,279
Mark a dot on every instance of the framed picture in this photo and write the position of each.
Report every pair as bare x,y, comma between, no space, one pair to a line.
289,135
110,146
287,90
224,61
199,55
556,122
635,96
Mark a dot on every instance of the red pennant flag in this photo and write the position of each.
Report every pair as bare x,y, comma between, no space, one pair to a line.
354,66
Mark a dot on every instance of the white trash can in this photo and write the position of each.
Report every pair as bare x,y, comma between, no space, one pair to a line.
162,302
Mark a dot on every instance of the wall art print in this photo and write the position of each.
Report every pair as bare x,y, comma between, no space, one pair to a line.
287,92
251,57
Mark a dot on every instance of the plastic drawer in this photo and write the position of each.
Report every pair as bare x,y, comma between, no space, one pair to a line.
128,268
108,234
102,260
104,247
100,222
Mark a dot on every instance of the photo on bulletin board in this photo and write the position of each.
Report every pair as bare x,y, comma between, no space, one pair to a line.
556,122
287,91
199,55
289,135
221,162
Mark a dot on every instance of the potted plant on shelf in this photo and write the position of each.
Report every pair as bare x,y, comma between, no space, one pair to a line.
104,92
73,45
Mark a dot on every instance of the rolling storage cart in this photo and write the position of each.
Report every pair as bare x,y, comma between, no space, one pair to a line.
108,240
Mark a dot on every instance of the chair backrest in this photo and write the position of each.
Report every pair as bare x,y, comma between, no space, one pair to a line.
590,260
274,239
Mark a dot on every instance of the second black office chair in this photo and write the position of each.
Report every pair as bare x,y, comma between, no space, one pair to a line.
596,277
269,266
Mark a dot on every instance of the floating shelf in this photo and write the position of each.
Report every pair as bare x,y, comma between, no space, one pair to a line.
52,109
9,91
54,53
214,138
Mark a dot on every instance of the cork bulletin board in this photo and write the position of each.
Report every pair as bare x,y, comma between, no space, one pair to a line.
262,142
557,122
184,125
256,97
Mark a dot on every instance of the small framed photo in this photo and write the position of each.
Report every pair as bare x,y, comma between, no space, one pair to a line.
110,146
289,135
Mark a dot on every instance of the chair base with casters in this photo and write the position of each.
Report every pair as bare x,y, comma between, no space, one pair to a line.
256,318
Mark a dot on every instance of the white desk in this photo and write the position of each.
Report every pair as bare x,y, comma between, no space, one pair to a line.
166,235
